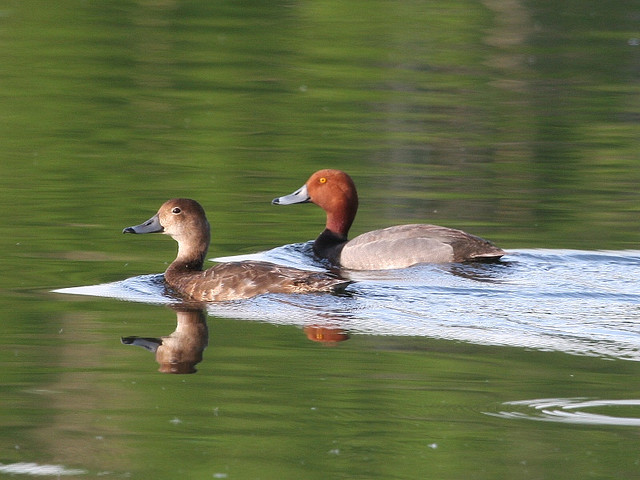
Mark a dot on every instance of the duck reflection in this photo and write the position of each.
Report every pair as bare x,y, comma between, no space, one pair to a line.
487,271
180,351
325,335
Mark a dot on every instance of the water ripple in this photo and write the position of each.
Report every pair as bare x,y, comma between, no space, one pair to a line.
577,302
571,410
35,469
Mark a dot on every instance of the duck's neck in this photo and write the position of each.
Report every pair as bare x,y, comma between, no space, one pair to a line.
341,215
191,255
329,245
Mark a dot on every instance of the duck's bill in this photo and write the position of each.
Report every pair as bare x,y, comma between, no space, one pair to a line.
150,226
299,196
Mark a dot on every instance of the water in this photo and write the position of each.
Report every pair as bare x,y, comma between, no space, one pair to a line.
531,299
513,121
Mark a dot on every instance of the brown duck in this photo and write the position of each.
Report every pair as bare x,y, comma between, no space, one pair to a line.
185,221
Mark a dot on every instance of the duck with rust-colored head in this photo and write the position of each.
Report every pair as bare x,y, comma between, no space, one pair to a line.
393,247
185,221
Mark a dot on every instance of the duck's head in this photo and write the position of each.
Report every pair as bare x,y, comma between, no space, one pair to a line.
331,190
181,218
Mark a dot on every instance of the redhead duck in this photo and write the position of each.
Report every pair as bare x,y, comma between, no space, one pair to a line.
393,247
185,221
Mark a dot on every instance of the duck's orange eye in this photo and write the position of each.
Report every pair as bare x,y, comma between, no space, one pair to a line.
176,210
322,180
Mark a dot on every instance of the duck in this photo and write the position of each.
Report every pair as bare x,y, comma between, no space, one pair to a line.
393,247
185,221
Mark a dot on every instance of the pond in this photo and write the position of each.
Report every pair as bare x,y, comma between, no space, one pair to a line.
515,121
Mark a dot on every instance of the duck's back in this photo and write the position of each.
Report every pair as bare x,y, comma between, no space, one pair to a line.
238,280
405,245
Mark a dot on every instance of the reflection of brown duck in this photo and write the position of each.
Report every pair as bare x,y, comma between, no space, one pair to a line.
326,335
392,247
185,221
180,351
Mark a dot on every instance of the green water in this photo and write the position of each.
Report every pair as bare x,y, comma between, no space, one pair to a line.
516,121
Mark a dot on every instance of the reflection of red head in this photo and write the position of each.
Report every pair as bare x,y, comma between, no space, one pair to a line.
327,335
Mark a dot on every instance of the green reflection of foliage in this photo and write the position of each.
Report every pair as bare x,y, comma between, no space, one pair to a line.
457,114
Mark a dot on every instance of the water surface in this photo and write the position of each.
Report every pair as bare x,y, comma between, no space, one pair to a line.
515,121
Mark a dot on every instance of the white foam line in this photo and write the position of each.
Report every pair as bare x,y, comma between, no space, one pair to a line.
34,469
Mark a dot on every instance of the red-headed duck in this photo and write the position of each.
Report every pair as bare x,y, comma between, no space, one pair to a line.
185,221
393,247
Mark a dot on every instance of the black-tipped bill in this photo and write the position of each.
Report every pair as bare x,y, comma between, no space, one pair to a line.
150,226
299,196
